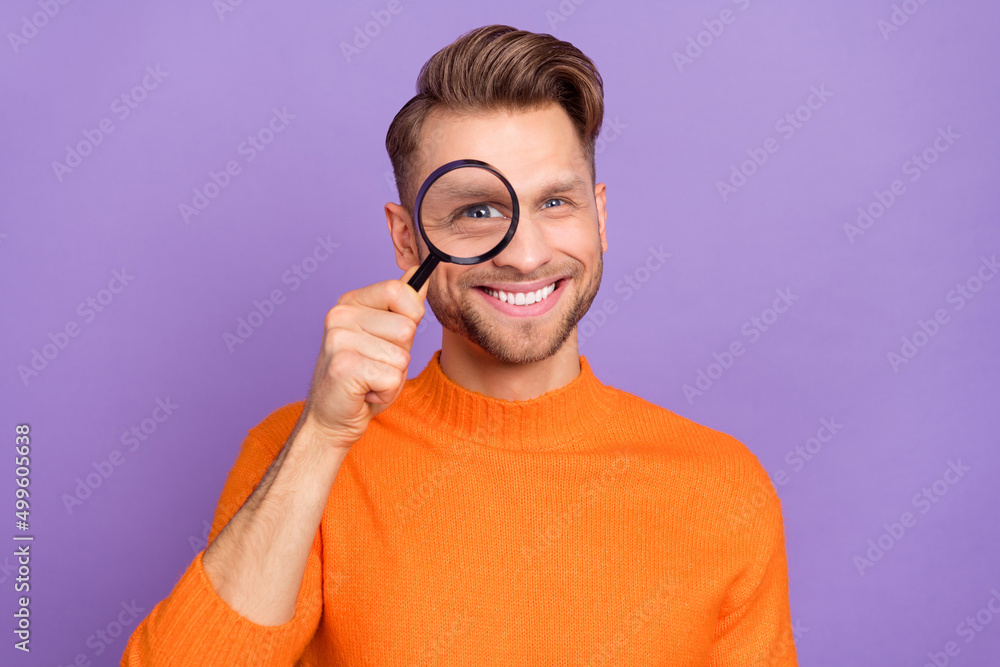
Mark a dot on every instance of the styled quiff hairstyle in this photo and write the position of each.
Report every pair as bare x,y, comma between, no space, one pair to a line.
497,68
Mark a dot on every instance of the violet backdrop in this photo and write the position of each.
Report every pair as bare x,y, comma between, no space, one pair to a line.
841,154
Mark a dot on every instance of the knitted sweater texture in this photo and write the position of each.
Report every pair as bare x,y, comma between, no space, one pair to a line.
586,526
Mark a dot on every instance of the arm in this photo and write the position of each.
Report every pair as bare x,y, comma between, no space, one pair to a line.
755,627
258,561
255,593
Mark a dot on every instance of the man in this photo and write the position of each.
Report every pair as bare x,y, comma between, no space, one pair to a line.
504,507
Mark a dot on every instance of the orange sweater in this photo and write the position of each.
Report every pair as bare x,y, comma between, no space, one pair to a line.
586,526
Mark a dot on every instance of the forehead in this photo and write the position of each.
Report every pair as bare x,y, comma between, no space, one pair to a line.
530,148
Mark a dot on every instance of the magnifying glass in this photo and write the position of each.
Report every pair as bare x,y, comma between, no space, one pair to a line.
466,212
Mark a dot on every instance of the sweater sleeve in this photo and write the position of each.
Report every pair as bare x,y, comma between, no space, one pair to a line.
755,627
194,626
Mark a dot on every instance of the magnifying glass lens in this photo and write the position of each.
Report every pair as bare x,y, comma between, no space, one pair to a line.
466,212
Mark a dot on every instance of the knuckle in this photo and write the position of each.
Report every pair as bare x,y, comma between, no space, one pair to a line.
347,297
340,365
371,370
336,340
395,356
409,328
394,290
335,315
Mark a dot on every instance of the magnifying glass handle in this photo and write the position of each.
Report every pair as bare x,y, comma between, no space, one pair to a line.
418,279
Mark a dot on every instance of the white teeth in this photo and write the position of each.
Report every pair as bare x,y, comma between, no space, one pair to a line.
522,298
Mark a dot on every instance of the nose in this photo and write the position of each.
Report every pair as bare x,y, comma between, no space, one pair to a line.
528,249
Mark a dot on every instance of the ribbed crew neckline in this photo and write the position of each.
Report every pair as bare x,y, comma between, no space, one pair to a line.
551,421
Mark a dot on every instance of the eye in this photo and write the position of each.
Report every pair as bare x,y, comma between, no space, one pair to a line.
554,199
482,211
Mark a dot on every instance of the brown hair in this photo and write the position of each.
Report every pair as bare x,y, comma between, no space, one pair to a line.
495,68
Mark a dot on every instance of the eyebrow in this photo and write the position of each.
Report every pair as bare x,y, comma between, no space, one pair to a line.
466,190
553,187
563,185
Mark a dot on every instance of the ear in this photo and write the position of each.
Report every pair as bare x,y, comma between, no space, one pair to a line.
404,235
600,195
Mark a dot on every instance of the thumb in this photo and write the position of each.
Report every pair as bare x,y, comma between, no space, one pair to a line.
409,274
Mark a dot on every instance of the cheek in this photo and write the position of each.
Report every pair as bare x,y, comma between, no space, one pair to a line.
443,284
579,237
585,248
435,290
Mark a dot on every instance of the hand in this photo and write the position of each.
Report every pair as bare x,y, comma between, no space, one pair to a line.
364,358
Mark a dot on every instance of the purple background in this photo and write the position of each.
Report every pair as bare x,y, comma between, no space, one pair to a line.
671,134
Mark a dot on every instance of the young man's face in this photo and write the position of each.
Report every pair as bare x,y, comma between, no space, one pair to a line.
560,237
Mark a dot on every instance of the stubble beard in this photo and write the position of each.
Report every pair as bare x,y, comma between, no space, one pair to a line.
524,340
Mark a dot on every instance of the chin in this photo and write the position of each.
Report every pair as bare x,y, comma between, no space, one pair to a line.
520,343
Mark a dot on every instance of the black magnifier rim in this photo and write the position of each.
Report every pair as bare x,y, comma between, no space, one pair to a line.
498,248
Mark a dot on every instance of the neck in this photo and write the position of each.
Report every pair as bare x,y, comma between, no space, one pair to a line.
475,369
565,418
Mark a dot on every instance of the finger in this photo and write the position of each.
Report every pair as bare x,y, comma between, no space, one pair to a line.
351,374
382,381
422,293
376,349
391,295
409,274
392,327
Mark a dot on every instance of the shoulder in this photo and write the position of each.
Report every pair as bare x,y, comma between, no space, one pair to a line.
273,431
683,442
672,428
698,466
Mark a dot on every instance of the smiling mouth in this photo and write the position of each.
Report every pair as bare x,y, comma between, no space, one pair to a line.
522,298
